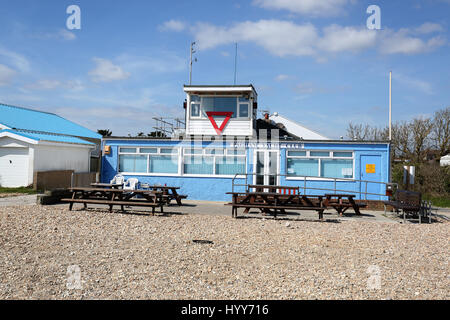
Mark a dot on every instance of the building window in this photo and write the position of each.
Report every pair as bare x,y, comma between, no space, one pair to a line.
209,161
148,160
321,164
240,106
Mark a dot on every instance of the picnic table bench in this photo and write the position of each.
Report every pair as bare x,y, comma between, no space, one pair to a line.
276,189
342,202
170,192
273,202
407,201
119,197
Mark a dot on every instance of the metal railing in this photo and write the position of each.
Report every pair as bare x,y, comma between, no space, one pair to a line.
323,179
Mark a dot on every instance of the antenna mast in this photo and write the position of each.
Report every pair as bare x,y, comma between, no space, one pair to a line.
235,63
190,62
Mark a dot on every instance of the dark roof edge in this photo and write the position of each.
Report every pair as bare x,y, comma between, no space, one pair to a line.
28,109
249,140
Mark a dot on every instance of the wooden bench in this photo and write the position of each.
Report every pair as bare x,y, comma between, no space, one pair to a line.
407,201
288,190
342,202
171,192
116,197
272,203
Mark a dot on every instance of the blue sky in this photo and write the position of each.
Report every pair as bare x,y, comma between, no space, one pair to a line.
313,61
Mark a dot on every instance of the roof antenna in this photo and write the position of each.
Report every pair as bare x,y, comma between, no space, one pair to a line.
235,63
190,62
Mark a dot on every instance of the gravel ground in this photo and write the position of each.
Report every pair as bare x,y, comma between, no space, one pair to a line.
9,195
129,256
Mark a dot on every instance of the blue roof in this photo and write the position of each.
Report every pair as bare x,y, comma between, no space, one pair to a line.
33,120
49,137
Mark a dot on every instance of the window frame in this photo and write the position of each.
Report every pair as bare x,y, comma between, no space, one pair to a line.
158,153
330,157
238,106
180,154
227,153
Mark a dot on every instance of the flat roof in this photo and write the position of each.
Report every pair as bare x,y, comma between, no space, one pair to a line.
219,88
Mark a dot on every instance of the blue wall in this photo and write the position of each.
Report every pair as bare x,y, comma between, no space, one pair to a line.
215,189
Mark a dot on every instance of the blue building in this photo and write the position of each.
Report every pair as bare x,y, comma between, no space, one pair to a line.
224,147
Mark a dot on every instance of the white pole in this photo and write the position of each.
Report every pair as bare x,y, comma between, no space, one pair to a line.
390,106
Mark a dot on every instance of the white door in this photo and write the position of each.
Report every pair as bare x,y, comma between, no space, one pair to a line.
266,167
13,167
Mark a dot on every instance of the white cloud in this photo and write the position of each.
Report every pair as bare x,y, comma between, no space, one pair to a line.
285,38
44,85
306,7
6,75
106,71
281,38
15,60
338,39
414,83
67,35
61,34
282,77
163,62
172,25
429,27
402,42
49,84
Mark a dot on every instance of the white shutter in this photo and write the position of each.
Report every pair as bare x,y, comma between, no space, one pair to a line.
13,167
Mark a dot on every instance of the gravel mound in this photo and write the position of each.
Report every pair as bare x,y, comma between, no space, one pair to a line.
131,256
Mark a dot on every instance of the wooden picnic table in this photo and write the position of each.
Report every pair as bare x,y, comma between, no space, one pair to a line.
272,202
341,202
170,192
113,197
107,185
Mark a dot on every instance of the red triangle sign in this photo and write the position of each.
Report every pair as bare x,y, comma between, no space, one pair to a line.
227,116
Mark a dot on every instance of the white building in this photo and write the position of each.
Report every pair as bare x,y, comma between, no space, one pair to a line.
445,161
33,141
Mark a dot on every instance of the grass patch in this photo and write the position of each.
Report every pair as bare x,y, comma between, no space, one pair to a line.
438,201
24,190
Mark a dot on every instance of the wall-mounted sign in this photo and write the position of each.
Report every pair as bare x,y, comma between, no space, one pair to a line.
268,145
227,116
370,168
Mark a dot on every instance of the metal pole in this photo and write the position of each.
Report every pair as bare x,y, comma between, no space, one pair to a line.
235,64
390,106
190,62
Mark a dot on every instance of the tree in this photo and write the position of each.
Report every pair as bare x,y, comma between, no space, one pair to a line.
366,132
358,132
420,131
440,135
105,132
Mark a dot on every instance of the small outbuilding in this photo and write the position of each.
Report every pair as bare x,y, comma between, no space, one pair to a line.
445,161
34,141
